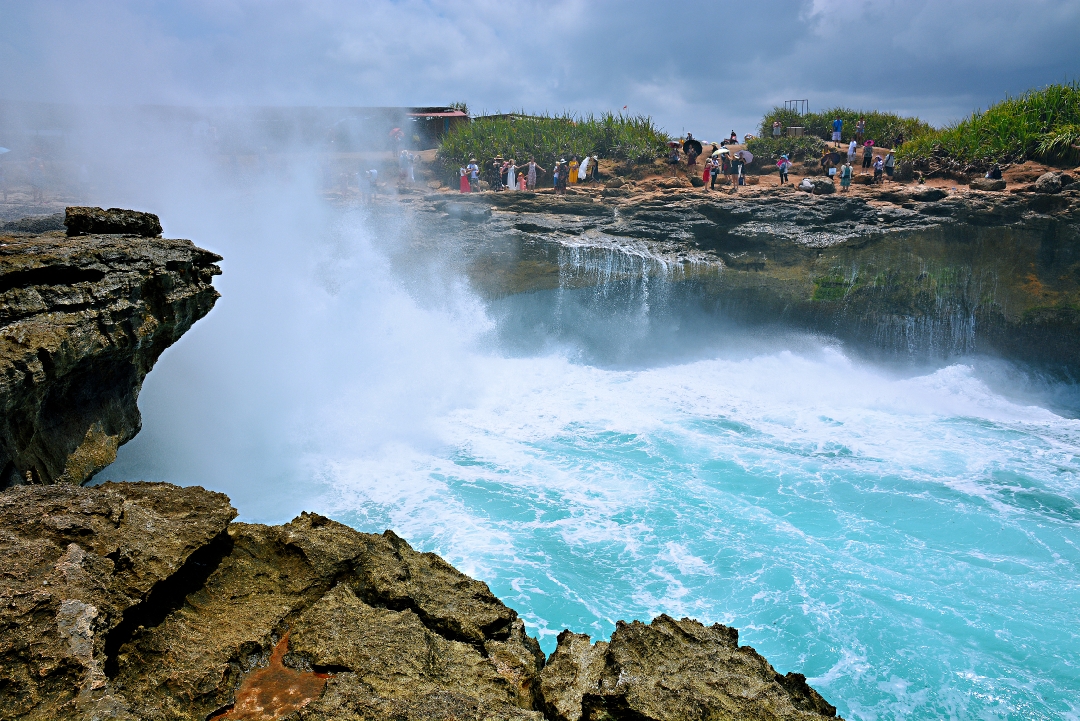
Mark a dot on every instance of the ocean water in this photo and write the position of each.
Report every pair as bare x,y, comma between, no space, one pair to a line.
905,536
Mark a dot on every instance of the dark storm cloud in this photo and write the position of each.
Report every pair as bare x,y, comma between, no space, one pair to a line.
705,66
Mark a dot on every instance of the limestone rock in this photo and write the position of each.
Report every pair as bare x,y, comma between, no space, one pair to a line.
83,219
34,224
987,184
1048,183
817,186
82,321
82,568
672,670
142,601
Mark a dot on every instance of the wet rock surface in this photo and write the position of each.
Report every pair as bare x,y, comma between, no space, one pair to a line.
143,601
904,270
82,321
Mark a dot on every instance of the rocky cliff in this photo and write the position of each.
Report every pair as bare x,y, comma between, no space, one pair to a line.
144,601
901,269
82,321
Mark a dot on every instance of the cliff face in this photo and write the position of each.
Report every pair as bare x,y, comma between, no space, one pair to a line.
82,321
906,270
142,601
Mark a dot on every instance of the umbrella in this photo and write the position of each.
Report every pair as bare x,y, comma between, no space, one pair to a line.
692,145
746,155
868,143
721,151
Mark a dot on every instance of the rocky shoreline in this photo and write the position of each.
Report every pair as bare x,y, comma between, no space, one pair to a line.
903,270
82,321
148,601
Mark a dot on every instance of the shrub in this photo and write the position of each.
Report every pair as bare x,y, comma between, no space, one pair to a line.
1040,124
768,150
881,127
630,138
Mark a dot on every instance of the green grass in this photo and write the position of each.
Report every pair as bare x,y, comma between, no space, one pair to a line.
1041,124
768,150
883,128
630,138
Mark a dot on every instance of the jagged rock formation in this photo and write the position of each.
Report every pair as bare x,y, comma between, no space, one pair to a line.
142,601
82,220
82,321
905,270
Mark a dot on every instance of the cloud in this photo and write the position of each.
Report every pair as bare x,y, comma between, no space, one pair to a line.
704,66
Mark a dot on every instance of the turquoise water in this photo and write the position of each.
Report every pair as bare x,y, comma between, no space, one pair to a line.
907,538
908,543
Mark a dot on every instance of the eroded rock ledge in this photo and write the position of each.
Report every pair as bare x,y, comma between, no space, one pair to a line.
144,601
82,321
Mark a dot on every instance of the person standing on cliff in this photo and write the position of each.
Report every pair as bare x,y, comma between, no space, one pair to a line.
837,129
879,166
860,130
851,149
474,175
782,165
890,164
867,154
845,177
530,178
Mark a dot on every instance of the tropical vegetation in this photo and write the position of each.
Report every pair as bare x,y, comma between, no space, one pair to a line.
1042,124
884,128
630,138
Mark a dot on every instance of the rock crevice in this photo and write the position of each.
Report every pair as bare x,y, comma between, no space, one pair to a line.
146,601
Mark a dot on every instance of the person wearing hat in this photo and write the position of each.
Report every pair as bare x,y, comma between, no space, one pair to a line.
845,177
495,172
560,186
474,175
783,164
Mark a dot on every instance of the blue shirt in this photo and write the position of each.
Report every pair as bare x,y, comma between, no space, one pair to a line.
837,125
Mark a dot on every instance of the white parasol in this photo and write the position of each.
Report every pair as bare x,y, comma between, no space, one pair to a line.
746,156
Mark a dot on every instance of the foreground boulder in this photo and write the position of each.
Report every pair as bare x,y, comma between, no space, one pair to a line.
672,670
142,601
987,184
817,186
1049,183
82,219
82,321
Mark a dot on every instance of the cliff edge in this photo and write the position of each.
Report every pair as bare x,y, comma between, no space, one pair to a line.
145,601
82,321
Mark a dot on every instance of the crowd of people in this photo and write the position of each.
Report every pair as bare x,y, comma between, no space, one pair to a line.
504,174
724,164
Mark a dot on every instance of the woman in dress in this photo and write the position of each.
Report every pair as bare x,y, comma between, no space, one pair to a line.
511,175
531,177
845,177
463,181
574,165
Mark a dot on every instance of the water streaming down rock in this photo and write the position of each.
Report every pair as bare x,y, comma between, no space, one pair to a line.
915,276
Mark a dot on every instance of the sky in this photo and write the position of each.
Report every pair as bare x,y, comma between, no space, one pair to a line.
706,67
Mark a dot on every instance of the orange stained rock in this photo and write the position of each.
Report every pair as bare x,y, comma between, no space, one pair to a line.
274,692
